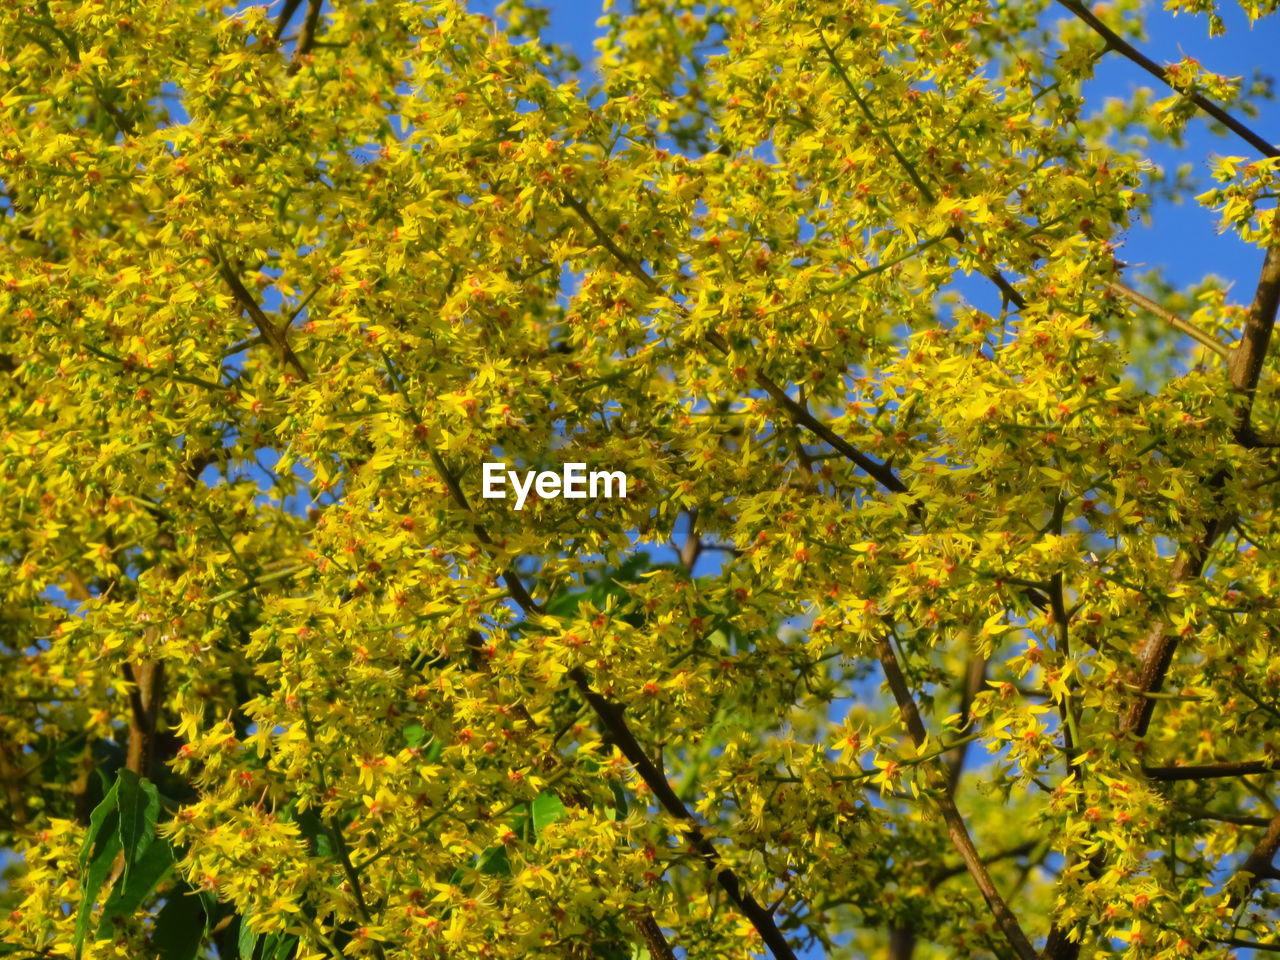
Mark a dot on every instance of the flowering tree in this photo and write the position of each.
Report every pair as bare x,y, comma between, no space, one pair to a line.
968,643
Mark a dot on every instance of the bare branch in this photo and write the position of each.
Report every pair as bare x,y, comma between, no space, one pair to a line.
146,696
276,337
1206,340
1019,850
1129,51
1246,361
286,14
1257,866
654,938
1211,771
796,412
1249,944
307,39
1239,819
974,681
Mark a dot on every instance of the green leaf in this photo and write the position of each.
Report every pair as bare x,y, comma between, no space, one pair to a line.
132,888
415,735
104,857
279,946
247,941
180,925
139,805
96,821
314,830
619,799
97,855
547,809
494,862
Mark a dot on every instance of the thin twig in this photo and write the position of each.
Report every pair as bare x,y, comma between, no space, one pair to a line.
276,337
307,39
1211,771
1129,51
1205,339
960,838
1239,819
796,412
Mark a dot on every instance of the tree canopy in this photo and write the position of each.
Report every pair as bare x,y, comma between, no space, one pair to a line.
938,619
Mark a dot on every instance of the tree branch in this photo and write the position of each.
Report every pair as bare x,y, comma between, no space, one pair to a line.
1245,370
796,412
1160,643
974,681
1006,289
1258,864
276,337
1239,819
1249,944
1246,361
1205,339
1211,771
960,838
612,716
1129,51
146,693
286,14
1019,850
1158,649
307,39
654,938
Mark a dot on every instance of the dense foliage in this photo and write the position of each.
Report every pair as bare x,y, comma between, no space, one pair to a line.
966,645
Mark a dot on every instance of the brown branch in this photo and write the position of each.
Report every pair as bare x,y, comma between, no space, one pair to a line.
307,39
1249,944
908,167
1245,370
286,14
353,881
1257,866
612,716
1211,771
646,924
1019,850
1245,366
12,777
275,336
654,938
1006,289
1202,337
890,481
902,940
1240,819
1160,643
338,842
960,838
692,548
975,676
146,696
797,412
1129,51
